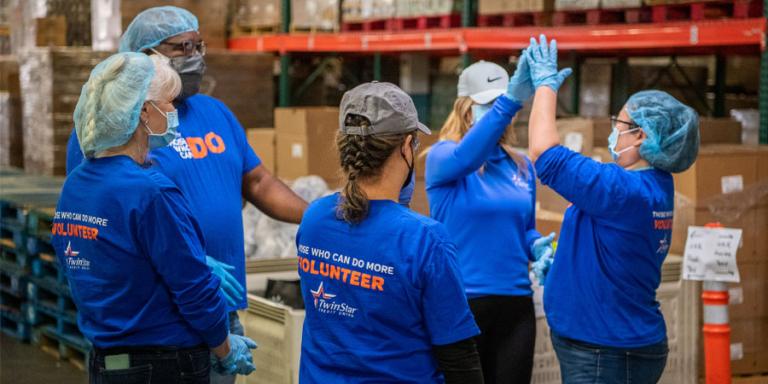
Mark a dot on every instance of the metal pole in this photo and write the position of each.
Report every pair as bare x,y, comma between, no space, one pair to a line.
576,85
377,66
720,85
764,88
284,84
619,85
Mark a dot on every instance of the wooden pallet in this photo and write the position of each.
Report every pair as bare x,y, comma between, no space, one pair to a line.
63,348
451,20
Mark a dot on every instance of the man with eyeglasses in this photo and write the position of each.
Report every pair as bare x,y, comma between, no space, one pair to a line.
210,159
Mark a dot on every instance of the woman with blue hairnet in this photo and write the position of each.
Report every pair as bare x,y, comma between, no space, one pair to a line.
600,295
129,243
209,157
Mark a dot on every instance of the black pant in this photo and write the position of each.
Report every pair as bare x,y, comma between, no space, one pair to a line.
506,342
153,365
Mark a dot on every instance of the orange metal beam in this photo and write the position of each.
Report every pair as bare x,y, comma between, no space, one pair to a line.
700,34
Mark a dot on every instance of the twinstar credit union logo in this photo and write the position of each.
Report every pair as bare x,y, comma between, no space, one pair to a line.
324,303
74,262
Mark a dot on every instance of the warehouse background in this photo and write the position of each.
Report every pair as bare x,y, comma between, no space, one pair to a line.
282,67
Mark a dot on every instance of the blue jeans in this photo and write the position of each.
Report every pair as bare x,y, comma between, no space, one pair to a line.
237,328
582,363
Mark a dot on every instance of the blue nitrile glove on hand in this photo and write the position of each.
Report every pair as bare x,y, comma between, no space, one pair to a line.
543,254
520,87
542,59
406,193
239,360
231,289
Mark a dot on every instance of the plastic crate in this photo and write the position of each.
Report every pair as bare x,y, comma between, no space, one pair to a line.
681,307
277,329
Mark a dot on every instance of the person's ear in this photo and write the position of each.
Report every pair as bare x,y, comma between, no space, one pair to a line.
640,139
407,146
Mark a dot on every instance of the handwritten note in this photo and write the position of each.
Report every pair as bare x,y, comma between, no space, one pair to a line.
710,254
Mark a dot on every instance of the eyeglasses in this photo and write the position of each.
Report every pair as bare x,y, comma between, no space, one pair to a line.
188,47
632,126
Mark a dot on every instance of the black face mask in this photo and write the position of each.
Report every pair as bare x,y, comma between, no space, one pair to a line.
190,70
411,166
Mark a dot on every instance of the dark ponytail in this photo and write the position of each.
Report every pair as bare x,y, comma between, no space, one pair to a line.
361,158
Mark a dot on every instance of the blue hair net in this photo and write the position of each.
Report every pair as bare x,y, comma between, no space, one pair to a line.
150,27
671,127
107,112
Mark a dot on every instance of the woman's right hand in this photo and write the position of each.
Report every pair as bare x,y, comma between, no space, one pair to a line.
542,58
520,87
238,360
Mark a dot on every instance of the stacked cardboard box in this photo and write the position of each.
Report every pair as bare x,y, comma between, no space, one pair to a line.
11,150
728,184
257,14
568,5
367,10
262,140
495,7
417,8
51,81
211,15
314,15
305,143
244,82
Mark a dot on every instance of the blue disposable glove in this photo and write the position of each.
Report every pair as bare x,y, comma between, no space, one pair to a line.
542,59
231,289
239,360
406,193
543,254
520,87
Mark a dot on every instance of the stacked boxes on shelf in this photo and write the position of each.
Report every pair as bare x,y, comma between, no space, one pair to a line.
51,81
36,301
354,11
315,15
494,7
256,15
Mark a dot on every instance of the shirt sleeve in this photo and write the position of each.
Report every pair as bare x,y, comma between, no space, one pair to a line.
531,234
601,190
74,154
250,159
171,237
444,304
448,161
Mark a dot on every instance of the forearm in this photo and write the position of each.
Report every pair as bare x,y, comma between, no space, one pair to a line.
274,198
459,362
542,128
222,350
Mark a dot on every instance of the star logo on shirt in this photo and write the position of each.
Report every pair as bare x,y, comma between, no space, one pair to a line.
321,294
69,252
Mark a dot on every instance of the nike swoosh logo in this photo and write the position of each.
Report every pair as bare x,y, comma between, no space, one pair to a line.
494,79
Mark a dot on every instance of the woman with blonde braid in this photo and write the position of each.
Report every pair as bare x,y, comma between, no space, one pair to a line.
129,244
383,295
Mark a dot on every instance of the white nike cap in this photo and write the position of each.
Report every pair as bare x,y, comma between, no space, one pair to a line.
483,82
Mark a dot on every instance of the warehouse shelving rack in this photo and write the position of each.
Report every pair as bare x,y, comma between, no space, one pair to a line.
705,37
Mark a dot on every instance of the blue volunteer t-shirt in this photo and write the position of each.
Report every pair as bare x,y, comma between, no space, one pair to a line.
207,161
614,238
486,204
379,295
131,250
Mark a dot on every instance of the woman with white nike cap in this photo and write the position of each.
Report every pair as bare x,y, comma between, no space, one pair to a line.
485,192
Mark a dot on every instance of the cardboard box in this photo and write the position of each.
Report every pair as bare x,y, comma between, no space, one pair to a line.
719,131
577,134
51,31
549,200
425,142
492,7
751,337
315,14
306,142
719,169
601,130
262,140
548,222
419,201
244,83
750,292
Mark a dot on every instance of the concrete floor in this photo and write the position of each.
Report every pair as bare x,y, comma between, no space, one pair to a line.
28,364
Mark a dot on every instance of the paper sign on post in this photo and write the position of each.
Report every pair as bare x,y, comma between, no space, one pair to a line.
710,254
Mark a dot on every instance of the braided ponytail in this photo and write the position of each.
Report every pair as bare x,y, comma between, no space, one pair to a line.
95,91
362,158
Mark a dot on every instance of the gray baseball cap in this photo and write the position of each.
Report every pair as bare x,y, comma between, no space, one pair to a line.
483,82
385,105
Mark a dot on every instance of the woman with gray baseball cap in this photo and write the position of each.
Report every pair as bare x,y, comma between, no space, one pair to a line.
384,298
485,193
